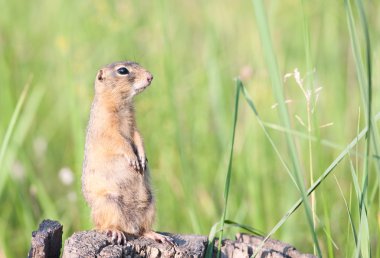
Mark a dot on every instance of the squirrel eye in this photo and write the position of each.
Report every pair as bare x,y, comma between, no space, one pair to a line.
122,71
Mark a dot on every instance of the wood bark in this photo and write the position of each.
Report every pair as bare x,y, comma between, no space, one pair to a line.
95,244
47,240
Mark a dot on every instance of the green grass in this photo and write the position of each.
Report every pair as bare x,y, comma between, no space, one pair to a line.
195,49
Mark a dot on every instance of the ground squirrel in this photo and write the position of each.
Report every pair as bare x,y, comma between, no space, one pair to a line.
115,179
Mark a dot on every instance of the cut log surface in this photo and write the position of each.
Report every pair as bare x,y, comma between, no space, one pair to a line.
47,241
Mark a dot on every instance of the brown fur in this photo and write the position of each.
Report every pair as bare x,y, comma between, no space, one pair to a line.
119,194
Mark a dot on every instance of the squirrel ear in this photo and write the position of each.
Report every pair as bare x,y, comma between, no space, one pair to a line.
100,75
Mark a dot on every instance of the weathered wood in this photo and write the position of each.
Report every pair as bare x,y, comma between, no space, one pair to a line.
246,245
95,244
47,240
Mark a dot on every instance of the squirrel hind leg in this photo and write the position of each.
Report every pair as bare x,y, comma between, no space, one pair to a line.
116,236
160,238
108,216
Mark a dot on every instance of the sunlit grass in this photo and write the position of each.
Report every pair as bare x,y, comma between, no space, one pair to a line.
195,49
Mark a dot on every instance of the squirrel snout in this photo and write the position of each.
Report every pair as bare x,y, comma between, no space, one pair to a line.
149,78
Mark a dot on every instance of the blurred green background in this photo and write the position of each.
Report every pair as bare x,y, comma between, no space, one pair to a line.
194,49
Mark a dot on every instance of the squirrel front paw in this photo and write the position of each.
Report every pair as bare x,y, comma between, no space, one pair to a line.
133,162
143,162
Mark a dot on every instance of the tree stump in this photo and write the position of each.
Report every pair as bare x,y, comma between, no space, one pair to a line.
95,244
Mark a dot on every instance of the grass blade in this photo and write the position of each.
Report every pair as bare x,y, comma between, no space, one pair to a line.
277,86
348,210
316,184
364,235
211,237
245,227
10,129
228,177
262,125
364,78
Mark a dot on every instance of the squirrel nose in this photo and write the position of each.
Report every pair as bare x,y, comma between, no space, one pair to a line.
149,78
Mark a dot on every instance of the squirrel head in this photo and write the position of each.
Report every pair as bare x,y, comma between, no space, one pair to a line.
123,79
